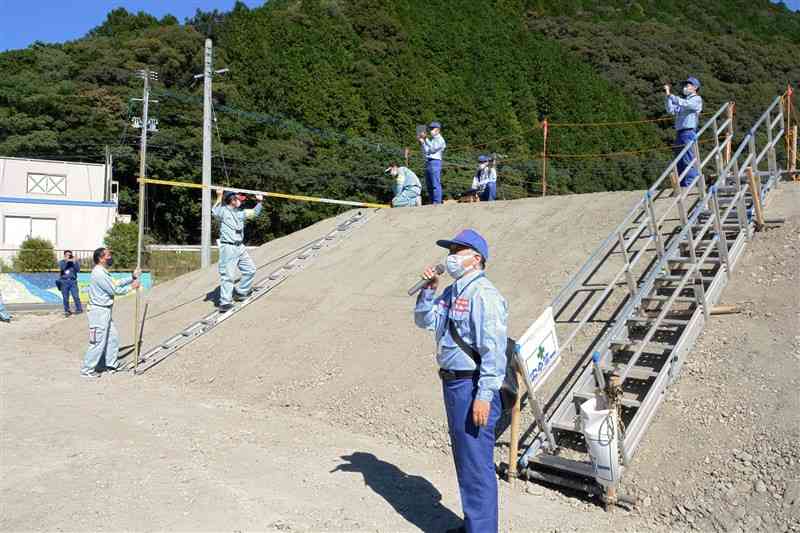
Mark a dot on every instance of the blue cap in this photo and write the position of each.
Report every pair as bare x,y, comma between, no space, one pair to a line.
694,81
434,125
469,238
483,158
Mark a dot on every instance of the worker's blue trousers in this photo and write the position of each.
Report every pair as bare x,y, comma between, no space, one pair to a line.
473,451
103,340
3,312
70,287
433,179
489,193
683,138
230,256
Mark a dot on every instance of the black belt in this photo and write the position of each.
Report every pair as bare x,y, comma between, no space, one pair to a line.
687,129
229,242
450,375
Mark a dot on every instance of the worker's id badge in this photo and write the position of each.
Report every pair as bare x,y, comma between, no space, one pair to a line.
93,335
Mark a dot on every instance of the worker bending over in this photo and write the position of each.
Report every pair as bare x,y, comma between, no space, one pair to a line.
687,117
407,188
484,183
232,252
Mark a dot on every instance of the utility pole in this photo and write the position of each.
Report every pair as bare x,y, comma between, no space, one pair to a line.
205,229
146,125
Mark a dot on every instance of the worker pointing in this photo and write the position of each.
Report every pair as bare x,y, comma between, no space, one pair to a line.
687,117
232,252
469,322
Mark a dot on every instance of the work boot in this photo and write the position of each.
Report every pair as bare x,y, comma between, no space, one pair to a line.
67,314
224,308
241,297
6,320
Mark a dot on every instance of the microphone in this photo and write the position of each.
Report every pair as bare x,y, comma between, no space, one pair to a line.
421,283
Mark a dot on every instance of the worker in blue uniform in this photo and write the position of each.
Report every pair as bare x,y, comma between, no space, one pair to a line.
687,111
68,282
4,316
407,187
433,150
232,251
470,312
484,183
103,334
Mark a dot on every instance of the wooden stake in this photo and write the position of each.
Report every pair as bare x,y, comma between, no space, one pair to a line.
513,448
755,191
725,310
729,134
673,176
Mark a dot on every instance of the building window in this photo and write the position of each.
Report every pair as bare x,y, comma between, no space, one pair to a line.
17,229
47,184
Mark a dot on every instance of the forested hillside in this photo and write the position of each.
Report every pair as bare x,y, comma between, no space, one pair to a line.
322,94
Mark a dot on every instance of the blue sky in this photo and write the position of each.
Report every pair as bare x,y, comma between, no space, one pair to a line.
27,21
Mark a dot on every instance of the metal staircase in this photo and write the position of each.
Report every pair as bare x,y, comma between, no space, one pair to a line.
650,286
261,287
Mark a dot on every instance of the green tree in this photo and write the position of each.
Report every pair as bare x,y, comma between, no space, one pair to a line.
35,255
123,240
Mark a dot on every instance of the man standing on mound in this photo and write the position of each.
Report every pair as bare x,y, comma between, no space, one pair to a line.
469,321
232,252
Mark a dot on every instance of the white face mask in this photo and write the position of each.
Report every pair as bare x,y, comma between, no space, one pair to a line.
687,91
455,265
483,165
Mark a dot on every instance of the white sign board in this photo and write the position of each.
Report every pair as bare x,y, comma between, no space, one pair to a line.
538,348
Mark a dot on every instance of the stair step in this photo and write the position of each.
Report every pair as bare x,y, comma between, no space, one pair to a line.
627,402
676,278
684,260
661,298
564,426
664,322
636,372
635,345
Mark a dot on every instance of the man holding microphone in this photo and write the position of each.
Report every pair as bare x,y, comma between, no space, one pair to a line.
469,322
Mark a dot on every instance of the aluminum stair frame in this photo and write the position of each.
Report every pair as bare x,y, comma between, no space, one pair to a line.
729,177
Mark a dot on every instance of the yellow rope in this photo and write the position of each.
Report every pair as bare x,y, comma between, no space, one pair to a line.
264,193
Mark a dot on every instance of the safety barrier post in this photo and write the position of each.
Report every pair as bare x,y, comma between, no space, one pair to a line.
793,163
729,134
544,158
755,190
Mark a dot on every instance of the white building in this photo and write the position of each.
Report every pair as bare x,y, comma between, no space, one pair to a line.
70,204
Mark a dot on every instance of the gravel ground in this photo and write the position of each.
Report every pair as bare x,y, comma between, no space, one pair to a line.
318,408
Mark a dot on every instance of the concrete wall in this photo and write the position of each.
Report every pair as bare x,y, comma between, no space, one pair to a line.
70,204
40,287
